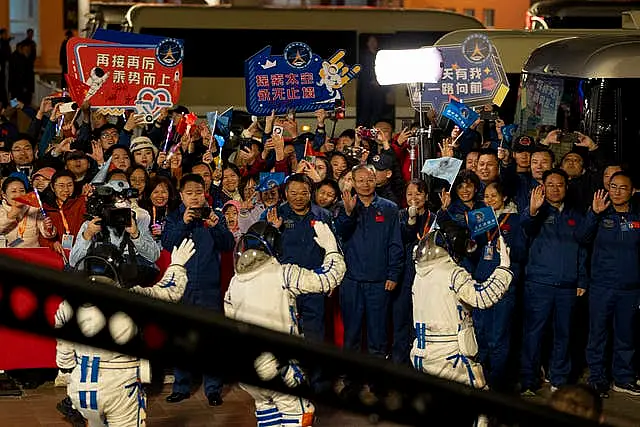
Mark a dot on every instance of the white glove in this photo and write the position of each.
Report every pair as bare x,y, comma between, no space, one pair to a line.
292,376
324,237
64,314
122,328
504,251
266,366
90,320
182,254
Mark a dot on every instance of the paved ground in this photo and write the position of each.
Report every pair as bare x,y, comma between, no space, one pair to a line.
37,408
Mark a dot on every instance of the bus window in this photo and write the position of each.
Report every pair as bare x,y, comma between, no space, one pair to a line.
222,52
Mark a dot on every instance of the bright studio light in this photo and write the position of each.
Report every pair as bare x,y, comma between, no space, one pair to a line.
408,66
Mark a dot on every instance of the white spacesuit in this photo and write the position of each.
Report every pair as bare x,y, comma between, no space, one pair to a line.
106,387
443,294
96,79
263,292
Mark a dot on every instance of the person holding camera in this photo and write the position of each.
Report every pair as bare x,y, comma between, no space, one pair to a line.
116,216
195,220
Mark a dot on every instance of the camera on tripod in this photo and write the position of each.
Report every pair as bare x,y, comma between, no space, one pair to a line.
102,204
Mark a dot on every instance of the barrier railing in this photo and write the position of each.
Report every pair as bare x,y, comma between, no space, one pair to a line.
199,340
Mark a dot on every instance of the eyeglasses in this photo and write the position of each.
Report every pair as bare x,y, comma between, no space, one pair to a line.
109,135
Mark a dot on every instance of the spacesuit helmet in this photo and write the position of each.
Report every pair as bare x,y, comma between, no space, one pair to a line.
257,246
449,240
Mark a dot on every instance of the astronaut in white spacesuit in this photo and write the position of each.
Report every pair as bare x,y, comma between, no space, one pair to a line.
263,292
106,387
443,295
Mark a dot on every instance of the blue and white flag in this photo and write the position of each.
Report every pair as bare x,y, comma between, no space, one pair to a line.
269,180
481,220
223,125
446,168
460,114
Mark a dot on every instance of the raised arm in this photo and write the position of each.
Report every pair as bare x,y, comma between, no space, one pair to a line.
322,280
174,282
484,294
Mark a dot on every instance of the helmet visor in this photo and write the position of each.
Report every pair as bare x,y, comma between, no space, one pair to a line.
250,252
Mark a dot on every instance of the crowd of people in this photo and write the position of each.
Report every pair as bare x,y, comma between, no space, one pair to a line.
572,225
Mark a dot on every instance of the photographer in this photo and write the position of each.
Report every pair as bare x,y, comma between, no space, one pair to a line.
108,206
194,219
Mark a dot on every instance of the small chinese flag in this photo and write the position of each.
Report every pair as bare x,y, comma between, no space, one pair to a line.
310,152
29,199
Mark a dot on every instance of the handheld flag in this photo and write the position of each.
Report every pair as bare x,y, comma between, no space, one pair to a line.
101,176
460,114
269,180
481,220
190,119
29,199
166,140
446,168
508,131
212,119
223,125
310,153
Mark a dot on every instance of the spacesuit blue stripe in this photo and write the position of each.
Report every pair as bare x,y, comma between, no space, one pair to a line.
268,417
95,369
93,400
84,365
270,423
266,411
82,395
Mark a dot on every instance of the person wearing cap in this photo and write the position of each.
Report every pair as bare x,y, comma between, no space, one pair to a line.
584,176
383,164
41,178
138,232
144,152
77,162
522,149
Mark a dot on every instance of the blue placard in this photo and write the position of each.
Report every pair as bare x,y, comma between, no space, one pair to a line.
481,220
472,74
298,79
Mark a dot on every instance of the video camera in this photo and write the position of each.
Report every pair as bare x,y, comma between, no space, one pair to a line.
338,111
102,204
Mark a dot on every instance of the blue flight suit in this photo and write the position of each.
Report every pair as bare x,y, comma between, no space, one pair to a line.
555,269
401,301
613,291
524,185
458,210
493,326
374,254
300,248
203,270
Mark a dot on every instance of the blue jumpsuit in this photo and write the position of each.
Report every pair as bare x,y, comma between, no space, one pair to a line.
374,254
555,269
613,292
203,270
493,326
300,248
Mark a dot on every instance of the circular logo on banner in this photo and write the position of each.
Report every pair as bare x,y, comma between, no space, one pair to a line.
297,54
476,48
169,52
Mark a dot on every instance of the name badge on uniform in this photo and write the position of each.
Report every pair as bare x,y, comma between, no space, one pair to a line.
16,242
288,224
488,252
67,241
379,217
